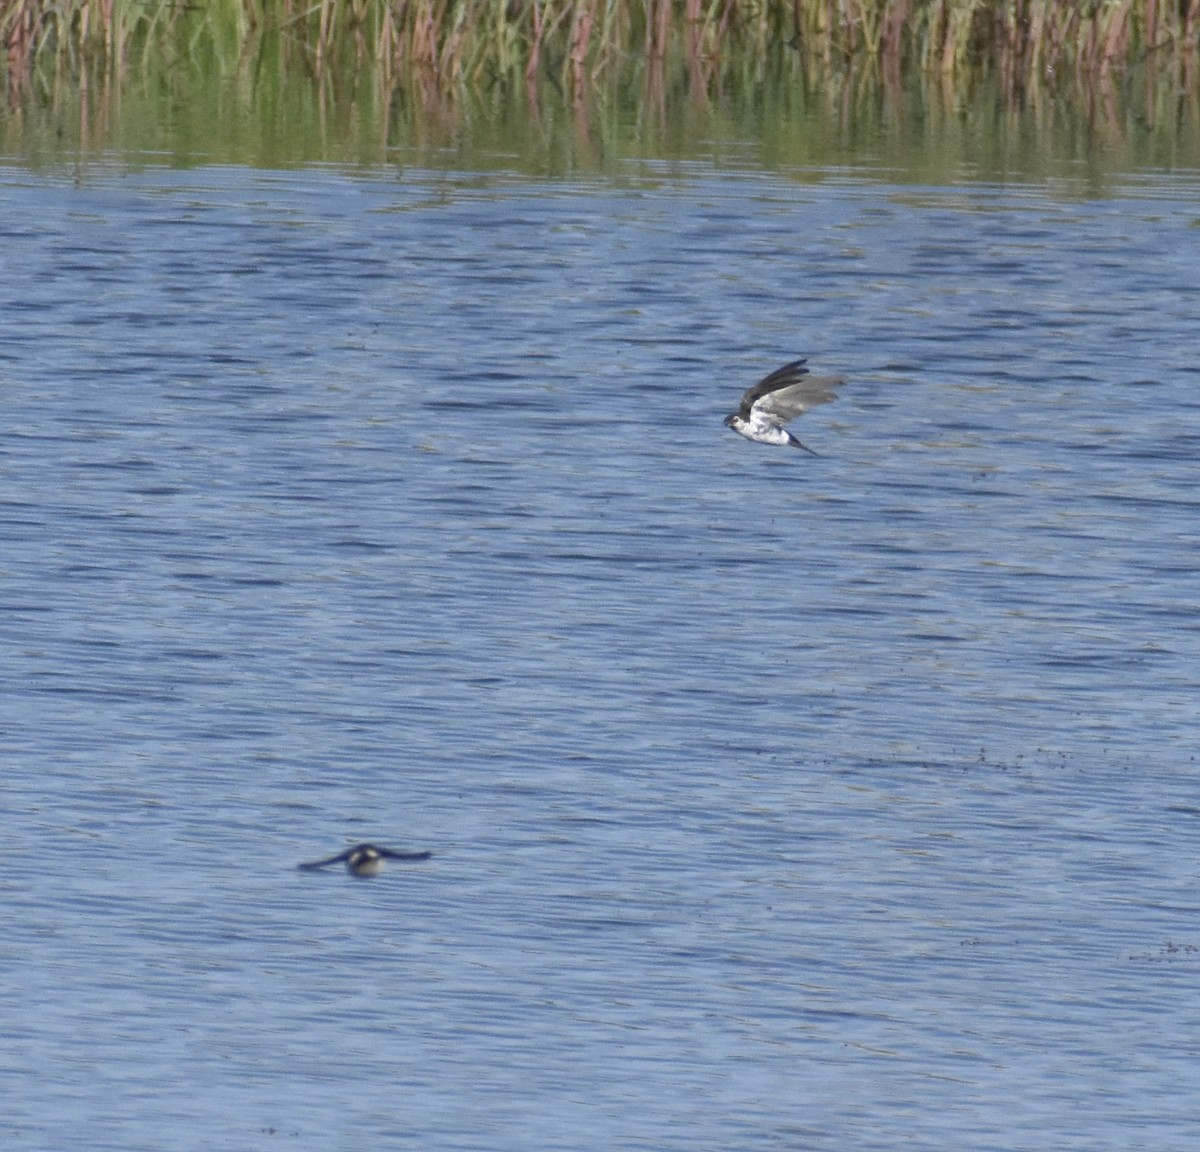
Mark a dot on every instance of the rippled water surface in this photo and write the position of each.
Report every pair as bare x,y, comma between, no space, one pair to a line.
777,801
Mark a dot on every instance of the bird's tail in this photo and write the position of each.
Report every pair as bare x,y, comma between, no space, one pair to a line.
796,444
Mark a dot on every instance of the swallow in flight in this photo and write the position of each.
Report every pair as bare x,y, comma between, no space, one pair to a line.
364,859
776,399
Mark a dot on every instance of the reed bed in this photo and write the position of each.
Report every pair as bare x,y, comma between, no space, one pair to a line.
451,45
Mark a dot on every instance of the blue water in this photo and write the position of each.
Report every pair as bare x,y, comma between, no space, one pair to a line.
776,801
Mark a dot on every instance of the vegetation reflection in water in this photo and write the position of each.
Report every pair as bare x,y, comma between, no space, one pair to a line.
924,88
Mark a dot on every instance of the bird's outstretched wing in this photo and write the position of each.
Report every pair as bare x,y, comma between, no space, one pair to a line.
338,859
786,393
780,378
788,402
403,855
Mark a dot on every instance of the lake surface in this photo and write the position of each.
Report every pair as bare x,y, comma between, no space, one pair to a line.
777,801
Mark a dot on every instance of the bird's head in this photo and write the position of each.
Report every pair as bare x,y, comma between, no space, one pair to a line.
730,419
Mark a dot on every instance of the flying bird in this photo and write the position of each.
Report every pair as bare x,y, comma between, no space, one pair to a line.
785,394
364,859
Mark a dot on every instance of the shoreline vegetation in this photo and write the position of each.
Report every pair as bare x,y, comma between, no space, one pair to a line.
1113,62
575,42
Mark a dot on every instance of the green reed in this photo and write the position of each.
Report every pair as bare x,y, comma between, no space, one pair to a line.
449,44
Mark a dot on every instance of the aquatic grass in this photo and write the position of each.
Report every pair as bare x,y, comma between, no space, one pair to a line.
573,42
434,61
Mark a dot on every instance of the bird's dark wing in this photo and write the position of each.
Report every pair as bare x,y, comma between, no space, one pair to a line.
403,855
338,859
790,400
780,378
